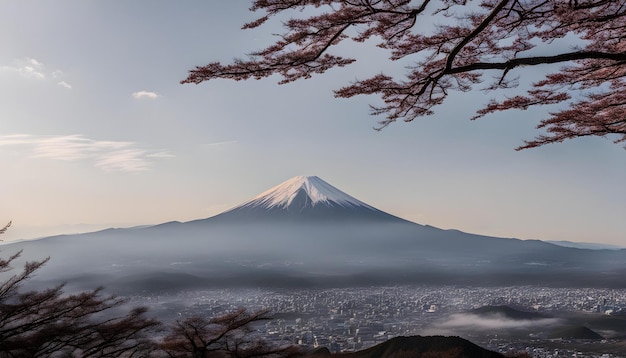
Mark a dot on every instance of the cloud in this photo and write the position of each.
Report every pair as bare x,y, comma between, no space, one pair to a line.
106,155
160,155
33,69
126,160
65,84
220,143
145,94
215,145
28,67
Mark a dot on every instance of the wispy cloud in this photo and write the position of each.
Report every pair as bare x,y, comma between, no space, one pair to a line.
65,84
145,94
126,160
33,69
106,155
160,155
215,144
29,68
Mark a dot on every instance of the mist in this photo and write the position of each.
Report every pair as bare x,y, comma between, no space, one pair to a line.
462,323
219,252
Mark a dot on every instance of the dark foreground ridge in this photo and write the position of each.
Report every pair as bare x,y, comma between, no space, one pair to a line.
418,347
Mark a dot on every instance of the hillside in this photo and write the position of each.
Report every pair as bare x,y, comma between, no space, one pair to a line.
576,332
417,347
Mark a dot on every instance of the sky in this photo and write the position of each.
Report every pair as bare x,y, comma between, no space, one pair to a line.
96,131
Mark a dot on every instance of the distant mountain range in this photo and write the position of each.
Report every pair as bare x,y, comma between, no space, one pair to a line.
585,245
305,232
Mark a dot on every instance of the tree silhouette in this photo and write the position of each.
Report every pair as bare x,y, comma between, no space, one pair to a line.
5,228
472,39
228,335
49,323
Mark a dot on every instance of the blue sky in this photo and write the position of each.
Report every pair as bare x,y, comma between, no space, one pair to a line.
96,131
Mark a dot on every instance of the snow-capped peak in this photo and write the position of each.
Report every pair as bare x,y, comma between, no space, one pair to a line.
317,190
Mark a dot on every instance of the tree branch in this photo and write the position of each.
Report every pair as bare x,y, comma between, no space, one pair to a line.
539,60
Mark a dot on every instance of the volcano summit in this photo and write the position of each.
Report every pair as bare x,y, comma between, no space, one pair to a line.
306,198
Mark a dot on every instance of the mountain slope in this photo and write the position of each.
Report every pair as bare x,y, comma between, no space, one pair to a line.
576,332
418,346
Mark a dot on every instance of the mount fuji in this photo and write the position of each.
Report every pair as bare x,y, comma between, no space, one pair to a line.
305,232
302,193
305,198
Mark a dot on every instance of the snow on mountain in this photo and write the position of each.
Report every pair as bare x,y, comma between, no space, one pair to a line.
305,199
305,191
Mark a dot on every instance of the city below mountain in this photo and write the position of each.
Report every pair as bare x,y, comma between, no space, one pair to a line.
307,233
